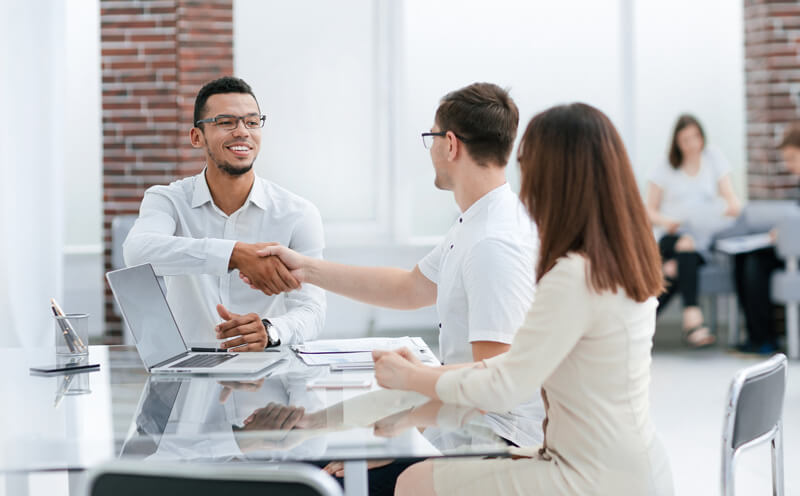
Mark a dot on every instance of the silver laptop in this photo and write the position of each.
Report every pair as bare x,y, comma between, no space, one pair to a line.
158,339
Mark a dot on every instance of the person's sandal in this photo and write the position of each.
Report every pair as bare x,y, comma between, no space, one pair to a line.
698,337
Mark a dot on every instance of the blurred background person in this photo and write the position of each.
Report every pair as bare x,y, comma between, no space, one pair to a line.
689,197
753,270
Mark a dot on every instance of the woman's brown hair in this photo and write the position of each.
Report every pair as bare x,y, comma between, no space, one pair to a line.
578,186
675,153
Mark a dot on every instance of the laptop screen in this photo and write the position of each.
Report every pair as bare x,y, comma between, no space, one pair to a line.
145,309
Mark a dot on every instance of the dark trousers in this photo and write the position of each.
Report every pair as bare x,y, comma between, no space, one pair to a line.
685,283
752,272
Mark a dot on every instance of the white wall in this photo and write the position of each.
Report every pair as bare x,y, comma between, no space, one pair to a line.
348,86
32,70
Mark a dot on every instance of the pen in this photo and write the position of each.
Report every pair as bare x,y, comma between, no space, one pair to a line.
78,341
64,330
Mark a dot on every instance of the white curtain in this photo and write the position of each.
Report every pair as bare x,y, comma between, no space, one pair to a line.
31,163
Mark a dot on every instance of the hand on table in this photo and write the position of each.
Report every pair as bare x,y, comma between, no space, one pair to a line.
247,330
393,368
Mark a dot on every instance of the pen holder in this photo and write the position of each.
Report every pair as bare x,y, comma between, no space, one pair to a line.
72,334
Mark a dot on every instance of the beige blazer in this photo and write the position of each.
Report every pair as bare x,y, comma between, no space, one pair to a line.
590,353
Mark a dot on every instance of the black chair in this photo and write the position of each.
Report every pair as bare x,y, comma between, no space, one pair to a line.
753,416
129,478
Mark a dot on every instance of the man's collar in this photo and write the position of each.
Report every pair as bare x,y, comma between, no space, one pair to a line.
202,194
478,205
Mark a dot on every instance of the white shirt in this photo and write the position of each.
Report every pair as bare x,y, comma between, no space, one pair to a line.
484,273
694,201
189,240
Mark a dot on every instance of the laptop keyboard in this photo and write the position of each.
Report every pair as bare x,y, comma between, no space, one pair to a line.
204,361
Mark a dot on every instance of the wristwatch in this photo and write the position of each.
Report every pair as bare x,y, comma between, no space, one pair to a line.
272,340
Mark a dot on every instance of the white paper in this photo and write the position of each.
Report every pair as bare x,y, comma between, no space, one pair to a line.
359,350
744,244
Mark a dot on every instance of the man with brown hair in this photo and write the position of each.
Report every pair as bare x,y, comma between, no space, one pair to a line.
481,276
753,270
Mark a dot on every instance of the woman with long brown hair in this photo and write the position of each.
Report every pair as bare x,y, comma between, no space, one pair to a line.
587,338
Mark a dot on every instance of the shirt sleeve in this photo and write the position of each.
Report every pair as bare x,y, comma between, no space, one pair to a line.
498,279
305,307
152,240
558,318
431,263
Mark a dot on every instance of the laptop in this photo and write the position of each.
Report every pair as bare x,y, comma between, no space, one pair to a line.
159,341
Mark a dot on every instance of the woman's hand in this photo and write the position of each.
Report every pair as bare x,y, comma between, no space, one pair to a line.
671,225
393,370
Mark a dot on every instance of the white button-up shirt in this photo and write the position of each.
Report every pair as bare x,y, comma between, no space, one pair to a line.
189,241
484,274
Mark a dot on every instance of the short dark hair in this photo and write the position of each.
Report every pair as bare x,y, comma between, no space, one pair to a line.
485,116
227,84
791,136
684,121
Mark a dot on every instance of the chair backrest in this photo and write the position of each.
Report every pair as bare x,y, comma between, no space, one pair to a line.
788,242
755,403
120,226
763,215
135,478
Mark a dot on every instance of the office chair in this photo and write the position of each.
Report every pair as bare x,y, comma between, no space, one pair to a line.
785,284
753,416
134,478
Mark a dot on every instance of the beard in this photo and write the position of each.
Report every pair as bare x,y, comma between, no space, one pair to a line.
227,167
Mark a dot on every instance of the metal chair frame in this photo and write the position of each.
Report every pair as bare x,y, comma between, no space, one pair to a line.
775,365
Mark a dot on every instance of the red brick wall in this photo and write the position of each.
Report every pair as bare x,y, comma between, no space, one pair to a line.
155,57
772,75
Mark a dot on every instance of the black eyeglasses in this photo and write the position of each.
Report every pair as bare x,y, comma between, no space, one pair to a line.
231,122
427,138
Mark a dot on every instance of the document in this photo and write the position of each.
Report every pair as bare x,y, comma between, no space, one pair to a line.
340,352
744,244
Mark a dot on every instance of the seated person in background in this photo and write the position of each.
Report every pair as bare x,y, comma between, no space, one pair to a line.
752,270
586,340
683,206
202,231
480,277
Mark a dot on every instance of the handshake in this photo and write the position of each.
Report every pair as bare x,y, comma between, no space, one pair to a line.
268,267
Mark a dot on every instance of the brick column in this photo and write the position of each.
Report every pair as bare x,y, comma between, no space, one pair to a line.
155,57
772,75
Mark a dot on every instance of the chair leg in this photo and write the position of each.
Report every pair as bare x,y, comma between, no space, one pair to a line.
777,461
733,321
792,337
727,472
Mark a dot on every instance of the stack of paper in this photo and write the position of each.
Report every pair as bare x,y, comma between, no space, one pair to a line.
343,354
744,244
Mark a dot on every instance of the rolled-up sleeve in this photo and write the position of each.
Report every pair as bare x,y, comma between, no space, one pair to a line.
152,240
554,324
305,307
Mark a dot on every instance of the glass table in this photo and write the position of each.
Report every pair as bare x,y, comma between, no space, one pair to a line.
56,427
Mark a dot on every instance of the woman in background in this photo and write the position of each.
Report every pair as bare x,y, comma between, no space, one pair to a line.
587,337
683,204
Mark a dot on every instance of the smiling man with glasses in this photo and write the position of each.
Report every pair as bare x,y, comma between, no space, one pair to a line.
202,231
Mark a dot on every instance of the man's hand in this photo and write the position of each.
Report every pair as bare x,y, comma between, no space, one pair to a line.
293,261
265,273
248,330
274,417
